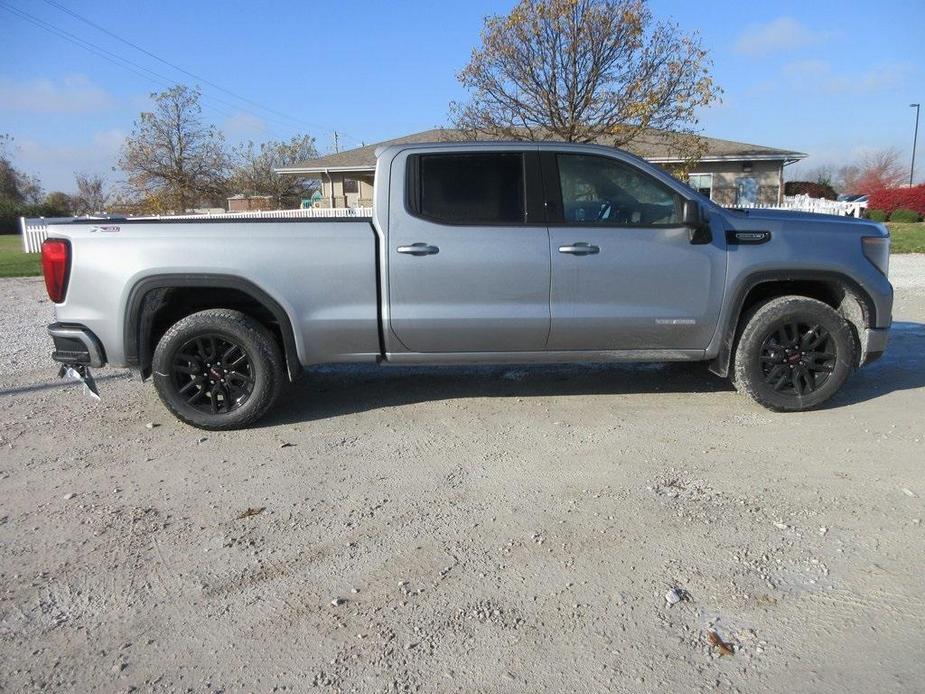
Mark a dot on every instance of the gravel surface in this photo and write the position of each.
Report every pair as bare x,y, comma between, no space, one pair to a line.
600,528
24,344
907,271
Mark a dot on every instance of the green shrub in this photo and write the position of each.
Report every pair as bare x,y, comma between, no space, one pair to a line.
10,212
904,214
876,215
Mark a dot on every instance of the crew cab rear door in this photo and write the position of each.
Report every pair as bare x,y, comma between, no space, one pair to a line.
468,251
626,273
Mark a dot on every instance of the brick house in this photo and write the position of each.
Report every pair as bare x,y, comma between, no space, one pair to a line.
728,172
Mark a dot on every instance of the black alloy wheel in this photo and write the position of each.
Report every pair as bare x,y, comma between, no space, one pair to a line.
798,358
213,374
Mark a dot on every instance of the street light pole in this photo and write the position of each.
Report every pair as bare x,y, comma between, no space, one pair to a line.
915,137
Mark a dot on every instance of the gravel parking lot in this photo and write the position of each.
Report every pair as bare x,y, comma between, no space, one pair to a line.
489,529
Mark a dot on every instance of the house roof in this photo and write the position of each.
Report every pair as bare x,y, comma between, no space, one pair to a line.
657,146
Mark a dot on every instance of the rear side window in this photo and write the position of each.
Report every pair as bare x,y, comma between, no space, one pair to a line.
486,188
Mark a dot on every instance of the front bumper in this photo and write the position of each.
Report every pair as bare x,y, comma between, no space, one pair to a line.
75,344
875,341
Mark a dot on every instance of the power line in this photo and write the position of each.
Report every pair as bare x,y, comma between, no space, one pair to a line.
187,72
128,64
124,63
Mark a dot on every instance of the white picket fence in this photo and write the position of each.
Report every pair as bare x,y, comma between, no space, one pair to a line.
35,229
804,203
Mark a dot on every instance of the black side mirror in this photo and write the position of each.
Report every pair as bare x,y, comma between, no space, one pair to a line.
691,214
697,227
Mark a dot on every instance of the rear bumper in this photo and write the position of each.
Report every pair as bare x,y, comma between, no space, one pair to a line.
874,344
75,344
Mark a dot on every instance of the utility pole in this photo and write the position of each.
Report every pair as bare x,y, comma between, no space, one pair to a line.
915,137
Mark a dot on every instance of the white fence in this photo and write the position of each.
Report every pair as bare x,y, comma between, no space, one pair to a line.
308,213
804,203
35,229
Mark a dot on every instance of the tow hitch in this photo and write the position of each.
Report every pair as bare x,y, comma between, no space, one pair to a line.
81,373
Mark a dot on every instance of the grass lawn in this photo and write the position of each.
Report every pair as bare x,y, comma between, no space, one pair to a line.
15,263
907,238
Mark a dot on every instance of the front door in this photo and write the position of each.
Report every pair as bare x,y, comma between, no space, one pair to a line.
468,258
625,275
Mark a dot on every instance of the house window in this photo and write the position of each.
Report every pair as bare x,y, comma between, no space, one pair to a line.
702,183
468,188
351,186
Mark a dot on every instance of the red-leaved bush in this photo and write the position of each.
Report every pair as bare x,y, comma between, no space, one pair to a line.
889,199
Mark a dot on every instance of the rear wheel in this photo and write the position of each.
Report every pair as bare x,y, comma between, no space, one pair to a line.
794,354
218,369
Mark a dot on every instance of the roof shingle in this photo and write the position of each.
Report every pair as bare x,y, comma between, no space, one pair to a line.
653,145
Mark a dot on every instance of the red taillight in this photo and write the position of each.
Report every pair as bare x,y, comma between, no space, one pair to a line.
56,264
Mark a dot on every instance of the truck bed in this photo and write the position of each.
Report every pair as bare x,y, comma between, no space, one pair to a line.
322,272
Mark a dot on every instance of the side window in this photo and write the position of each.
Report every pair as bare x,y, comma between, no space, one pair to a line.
600,190
486,188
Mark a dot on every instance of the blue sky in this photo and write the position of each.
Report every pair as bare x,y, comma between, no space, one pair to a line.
827,78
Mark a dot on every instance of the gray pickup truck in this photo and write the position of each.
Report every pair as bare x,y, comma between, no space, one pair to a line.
475,253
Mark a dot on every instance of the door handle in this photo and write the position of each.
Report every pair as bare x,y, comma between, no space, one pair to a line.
418,249
580,248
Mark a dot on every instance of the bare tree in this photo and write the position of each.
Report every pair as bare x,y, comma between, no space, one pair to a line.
874,170
92,193
822,175
254,169
583,71
172,159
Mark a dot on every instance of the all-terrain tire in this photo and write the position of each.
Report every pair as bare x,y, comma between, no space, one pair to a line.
775,362
262,378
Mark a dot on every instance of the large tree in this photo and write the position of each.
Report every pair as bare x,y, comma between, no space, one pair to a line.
254,169
16,187
58,204
583,71
92,193
173,160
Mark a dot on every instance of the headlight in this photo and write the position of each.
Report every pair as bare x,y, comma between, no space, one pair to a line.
877,251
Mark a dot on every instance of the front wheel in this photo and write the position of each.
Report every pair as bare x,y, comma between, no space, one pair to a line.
218,369
794,354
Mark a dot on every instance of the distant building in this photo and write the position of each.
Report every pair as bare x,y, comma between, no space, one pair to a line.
728,172
250,203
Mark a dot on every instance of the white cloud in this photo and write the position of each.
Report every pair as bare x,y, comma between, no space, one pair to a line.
777,36
71,94
819,76
55,164
244,124
807,69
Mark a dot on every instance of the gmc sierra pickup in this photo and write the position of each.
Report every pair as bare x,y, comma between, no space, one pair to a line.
475,253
